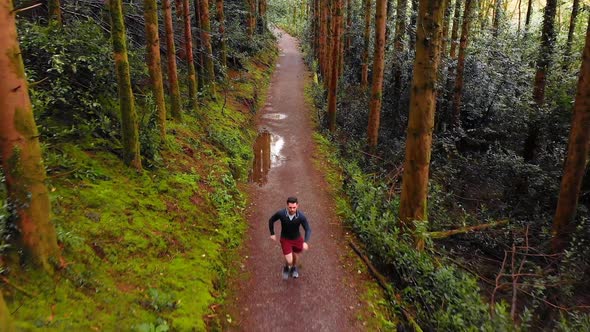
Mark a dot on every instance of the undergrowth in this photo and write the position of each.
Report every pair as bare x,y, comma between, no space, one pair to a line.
142,251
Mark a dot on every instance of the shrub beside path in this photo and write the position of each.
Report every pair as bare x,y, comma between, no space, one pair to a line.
326,296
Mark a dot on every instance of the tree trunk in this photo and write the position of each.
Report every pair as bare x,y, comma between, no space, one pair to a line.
171,60
527,20
458,92
206,40
570,33
251,5
54,12
324,39
399,43
455,29
421,121
498,13
577,157
20,152
262,14
413,22
222,44
446,24
188,43
153,58
546,52
336,49
367,42
378,66
198,45
130,130
180,18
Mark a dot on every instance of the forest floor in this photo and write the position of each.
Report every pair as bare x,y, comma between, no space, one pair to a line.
331,292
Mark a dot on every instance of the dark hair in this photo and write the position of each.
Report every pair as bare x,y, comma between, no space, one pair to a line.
292,199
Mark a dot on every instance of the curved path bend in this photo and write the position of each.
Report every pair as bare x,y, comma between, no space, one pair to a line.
324,298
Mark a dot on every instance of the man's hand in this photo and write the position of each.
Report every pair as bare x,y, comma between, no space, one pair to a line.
305,246
273,237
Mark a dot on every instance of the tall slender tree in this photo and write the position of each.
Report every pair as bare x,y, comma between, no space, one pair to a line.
336,50
251,7
570,32
20,151
529,13
446,25
577,156
207,47
55,16
198,45
413,204
378,66
399,44
546,52
130,130
455,29
150,9
262,22
171,61
188,43
324,47
366,44
458,91
221,22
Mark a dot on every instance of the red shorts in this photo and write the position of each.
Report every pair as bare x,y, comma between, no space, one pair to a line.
290,246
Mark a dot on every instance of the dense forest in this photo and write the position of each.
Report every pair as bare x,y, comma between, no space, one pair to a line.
125,136
462,135
457,134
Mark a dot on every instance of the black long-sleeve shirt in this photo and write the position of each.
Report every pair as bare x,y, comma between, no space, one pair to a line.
290,228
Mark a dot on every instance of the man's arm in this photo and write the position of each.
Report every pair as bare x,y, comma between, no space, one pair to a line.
271,223
306,227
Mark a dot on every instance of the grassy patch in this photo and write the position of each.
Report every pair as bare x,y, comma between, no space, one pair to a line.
146,251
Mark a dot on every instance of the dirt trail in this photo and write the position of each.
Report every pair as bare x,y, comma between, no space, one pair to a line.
322,299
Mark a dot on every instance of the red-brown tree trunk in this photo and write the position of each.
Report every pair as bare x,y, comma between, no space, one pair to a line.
378,66
367,41
150,11
336,49
207,47
577,157
413,204
20,151
570,32
458,91
399,48
222,43
455,29
188,44
546,52
171,61
55,12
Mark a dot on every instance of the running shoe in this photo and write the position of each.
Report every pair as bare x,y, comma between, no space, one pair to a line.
285,272
294,272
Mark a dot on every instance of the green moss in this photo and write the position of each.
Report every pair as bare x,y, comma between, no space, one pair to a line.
147,248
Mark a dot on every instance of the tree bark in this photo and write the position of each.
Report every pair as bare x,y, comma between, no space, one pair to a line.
171,61
445,31
570,32
413,22
20,151
577,157
399,49
262,22
251,7
55,12
458,91
378,67
498,13
463,230
188,43
455,29
153,58
222,43
206,40
414,194
198,45
130,130
546,52
334,75
367,42
527,20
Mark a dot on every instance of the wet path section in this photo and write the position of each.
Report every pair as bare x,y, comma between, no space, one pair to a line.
322,299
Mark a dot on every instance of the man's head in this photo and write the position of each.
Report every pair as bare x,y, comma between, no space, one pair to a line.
292,205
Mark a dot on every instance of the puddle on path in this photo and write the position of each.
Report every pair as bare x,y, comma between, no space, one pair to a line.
275,116
267,154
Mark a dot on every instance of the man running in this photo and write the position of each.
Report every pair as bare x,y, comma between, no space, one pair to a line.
292,243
